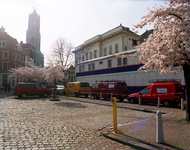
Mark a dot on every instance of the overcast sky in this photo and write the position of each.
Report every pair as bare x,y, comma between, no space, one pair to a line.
75,20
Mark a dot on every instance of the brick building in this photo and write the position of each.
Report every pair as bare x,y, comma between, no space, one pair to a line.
10,57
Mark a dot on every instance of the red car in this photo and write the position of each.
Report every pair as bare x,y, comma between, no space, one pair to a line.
170,93
117,89
30,89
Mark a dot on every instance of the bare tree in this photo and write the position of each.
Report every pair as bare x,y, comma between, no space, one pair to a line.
61,54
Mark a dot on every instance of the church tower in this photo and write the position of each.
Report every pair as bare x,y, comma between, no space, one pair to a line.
33,33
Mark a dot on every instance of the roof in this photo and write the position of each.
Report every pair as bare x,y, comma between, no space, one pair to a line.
116,30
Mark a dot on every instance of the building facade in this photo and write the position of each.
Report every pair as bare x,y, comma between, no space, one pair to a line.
95,60
10,57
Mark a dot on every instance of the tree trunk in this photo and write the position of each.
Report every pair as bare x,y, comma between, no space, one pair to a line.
54,88
186,69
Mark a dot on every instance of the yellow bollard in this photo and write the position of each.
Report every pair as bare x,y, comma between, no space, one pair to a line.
114,114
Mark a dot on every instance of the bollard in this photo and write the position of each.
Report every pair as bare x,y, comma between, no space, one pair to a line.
158,101
182,104
111,97
114,115
139,100
159,128
100,95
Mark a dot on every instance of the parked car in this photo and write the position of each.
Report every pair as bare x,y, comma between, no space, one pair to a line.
59,89
30,89
169,92
77,89
117,89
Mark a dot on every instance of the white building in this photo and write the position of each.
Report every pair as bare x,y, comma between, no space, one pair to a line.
95,60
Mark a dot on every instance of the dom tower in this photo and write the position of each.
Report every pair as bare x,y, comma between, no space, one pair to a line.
33,33
33,39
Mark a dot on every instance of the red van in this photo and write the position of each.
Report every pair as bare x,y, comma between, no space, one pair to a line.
30,89
117,89
170,93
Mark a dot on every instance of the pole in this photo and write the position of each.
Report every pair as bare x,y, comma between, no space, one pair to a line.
114,114
158,101
159,128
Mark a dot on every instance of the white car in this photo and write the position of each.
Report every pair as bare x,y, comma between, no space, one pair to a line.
59,89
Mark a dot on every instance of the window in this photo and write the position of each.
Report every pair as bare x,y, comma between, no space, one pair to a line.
5,66
22,59
109,63
2,44
90,55
118,61
15,65
84,85
116,48
146,91
19,57
125,61
5,54
105,51
71,85
82,67
134,42
110,50
93,66
95,54
89,66
38,86
86,56
15,56
125,48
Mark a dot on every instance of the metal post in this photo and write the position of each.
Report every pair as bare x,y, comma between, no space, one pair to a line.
159,128
111,97
182,104
139,100
114,114
100,95
158,101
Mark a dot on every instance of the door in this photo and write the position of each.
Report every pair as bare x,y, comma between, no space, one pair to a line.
145,95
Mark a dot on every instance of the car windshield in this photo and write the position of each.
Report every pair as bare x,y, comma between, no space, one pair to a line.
60,86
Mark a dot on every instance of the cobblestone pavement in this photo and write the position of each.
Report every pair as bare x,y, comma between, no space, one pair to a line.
38,123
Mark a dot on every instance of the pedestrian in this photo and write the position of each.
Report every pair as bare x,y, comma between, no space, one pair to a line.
9,86
5,86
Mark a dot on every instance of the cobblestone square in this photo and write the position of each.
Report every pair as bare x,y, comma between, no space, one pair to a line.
38,123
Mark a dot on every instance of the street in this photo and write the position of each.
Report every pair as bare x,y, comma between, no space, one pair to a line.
38,123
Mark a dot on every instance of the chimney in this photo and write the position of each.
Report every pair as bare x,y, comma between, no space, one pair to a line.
2,29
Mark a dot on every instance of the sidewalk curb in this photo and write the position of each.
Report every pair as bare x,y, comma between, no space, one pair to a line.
127,140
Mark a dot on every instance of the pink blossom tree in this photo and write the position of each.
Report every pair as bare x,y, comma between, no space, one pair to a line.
168,48
54,73
29,72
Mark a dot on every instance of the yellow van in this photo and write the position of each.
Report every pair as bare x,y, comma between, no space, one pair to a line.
77,89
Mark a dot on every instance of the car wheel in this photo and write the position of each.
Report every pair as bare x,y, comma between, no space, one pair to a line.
45,95
133,100
64,93
75,94
95,96
23,95
121,99
166,103
86,95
